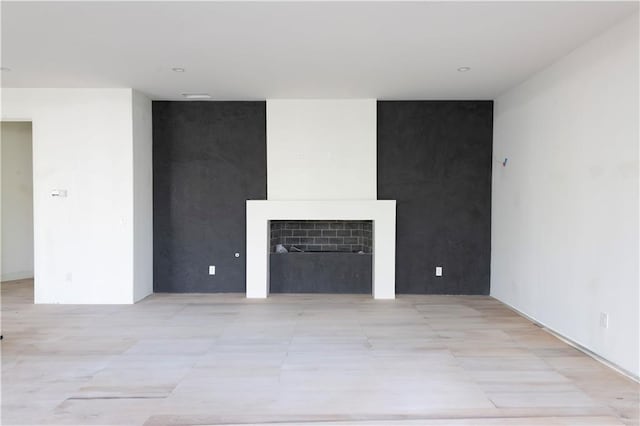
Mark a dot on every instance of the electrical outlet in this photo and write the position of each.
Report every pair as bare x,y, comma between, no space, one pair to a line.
438,271
212,269
604,320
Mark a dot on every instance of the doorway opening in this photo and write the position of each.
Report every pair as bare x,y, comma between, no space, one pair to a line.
16,247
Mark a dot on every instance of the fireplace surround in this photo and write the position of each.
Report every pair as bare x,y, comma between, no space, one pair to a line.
381,214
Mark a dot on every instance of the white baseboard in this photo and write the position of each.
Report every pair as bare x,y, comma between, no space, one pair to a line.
575,344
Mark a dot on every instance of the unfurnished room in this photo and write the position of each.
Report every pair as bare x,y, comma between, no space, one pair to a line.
320,213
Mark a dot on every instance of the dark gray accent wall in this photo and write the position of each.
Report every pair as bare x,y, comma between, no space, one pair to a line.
434,158
208,159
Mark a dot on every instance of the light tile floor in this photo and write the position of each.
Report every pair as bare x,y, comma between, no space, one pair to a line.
295,359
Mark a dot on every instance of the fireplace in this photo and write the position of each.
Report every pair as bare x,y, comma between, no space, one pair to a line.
374,219
320,256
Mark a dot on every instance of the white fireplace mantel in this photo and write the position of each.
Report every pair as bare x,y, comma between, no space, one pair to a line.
381,212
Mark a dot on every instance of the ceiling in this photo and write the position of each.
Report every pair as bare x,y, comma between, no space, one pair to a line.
261,50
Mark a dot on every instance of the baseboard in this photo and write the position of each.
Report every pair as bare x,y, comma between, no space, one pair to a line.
13,276
575,344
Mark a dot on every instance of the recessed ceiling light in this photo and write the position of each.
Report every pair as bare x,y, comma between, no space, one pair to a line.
177,69
5,69
196,96
464,69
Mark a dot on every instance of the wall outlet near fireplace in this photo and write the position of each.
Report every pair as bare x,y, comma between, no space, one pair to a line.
212,269
438,271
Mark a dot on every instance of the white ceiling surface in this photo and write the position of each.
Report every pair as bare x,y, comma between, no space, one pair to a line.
388,50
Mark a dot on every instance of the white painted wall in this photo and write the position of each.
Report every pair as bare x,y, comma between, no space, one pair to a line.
17,201
565,208
321,149
83,143
142,197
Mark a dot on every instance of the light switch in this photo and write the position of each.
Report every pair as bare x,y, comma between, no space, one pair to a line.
212,270
59,193
438,271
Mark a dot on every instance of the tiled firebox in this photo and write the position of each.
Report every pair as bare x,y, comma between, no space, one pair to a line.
323,235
